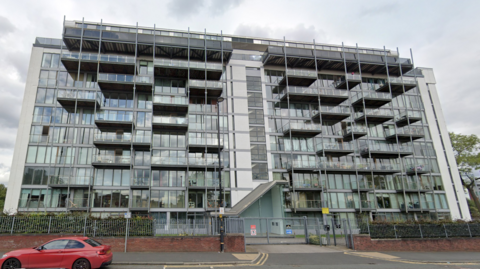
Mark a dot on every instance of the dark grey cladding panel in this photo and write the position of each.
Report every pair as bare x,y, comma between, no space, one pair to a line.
275,50
118,36
329,54
73,31
299,52
145,38
214,44
350,56
392,60
371,58
91,33
227,45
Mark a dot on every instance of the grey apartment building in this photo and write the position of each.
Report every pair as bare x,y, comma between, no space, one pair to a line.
119,118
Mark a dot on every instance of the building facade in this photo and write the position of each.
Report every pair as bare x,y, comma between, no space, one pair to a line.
122,119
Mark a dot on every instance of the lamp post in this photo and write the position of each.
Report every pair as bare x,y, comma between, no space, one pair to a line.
220,202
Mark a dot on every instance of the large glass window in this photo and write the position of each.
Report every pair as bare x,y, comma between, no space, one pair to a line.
164,178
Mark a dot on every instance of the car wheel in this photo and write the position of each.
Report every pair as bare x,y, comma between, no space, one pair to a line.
11,264
81,264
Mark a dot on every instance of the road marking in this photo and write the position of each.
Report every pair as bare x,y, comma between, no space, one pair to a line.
377,255
260,262
245,257
396,259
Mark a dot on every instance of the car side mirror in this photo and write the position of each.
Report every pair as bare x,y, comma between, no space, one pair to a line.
39,248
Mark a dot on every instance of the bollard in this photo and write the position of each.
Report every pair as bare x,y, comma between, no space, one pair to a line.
333,231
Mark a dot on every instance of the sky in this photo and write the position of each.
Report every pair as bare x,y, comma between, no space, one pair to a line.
443,35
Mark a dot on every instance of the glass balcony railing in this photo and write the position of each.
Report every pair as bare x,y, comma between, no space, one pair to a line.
367,204
203,161
385,148
354,129
302,164
67,180
410,186
314,183
170,100
142,139
385,166
77,203
203,84
405,131
365,184
113,115
204,141
202,108
335,92
74,94
343,165
406,80
42,119
185,64
109,137
300,126
111,159
308,204
335,146
348,77
298,90
124,78
417,168
103,58
301,73
371,94
169,120
332,109
408,114
374,112
141,181
39,139
169,160
208,182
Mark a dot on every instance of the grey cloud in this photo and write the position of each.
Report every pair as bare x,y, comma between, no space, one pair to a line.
6,26
375,10
19,60
300,32
184,8
217,7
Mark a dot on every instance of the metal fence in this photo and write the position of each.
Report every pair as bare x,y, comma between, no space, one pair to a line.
197,227
418,230
75,225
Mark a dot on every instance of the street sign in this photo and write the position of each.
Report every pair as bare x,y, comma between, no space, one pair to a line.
222,210
128,215
253,230
289,231
325,210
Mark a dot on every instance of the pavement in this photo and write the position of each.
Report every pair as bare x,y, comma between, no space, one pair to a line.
184,258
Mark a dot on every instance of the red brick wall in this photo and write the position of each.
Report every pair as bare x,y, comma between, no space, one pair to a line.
233,243
365,243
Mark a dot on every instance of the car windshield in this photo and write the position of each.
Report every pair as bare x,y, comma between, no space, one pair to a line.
92,242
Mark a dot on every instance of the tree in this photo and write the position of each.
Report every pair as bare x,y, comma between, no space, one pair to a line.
473,210
3,193
466,150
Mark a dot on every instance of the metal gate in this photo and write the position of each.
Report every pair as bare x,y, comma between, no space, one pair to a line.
260,231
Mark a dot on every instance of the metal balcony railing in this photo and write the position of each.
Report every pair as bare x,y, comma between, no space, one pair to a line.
111,159
185,64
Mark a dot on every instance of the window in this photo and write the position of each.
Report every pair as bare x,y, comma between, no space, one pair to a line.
258,152
42,114
255,99
57,244
74,244
45,96
255,116
169,86
47,78
92,242
50,60
166,178
146,68
167,199
142,158
254,83
257,134
259,171
118,100
109,177
169,140
144,101
144,119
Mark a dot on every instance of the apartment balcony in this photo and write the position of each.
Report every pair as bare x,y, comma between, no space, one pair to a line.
77,204
354,132
179,69
170,103
114,119
72,182
120,82
332,96
305,205
198,87
302,166
366,205
371,99
313,185
112,140
331,113
142,141
397,85
412,207
88,99
385,151
385,168
110,161
106,63
204,144
340,167
175,163
417,169
413,187
301,128
140,183
298,94
335,149
364,186
299,77
170,123
376,116
202,108
202,164
405,134
408,117
351,80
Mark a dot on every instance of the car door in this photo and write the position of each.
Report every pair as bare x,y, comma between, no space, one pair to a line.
49,255
73,250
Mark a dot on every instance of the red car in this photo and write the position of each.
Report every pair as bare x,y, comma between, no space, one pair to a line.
64,252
